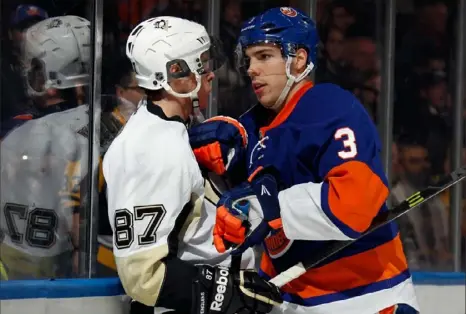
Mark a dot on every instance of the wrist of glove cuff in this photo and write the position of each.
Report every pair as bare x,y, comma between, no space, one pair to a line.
265,187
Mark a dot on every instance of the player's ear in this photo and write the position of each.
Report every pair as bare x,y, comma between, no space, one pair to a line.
118,90
300,61
52,92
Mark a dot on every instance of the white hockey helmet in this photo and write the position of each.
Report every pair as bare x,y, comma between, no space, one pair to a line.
56,54
158,43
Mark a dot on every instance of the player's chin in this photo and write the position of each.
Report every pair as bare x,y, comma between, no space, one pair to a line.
266,101
203,104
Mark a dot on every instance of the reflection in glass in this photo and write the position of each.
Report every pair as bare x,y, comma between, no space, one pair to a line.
42,139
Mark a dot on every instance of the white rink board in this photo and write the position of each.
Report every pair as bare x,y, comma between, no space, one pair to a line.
441,299
438,293
65,296
89,305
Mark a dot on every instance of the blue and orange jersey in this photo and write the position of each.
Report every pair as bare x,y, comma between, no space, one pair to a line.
33,113
325,149
14,122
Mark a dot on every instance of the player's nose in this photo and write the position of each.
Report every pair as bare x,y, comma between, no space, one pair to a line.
253,70
210,76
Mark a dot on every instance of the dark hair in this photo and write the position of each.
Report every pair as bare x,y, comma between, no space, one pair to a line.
419,4
360,30
350,6
154,95
118,73
325,34
23,25
412,138
430,79
123,73
426,53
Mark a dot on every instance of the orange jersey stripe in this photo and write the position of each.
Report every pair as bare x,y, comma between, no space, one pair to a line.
383,262
355,194
26,116
388,310
254,173
288,108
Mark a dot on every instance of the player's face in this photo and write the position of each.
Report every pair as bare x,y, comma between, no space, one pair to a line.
205,90
133,93
36,75
187,84
206,80
267,72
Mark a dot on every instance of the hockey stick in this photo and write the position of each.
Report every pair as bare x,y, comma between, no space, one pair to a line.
380,220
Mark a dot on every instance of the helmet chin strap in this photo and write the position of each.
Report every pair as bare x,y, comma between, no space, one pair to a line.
197,116
292,79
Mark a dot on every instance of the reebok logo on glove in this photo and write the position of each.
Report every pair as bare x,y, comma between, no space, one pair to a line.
221,282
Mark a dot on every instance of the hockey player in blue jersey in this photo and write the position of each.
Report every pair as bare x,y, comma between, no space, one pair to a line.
310,158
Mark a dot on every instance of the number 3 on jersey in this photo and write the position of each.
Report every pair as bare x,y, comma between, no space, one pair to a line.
349,142
124,225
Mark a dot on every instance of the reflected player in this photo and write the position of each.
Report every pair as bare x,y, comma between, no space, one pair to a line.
37,232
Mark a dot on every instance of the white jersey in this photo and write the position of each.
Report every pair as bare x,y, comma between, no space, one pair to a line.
36,229
158,204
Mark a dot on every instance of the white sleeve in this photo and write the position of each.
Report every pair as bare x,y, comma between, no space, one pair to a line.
303,217
149,186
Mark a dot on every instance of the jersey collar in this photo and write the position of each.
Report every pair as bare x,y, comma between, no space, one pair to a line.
288,108
156,110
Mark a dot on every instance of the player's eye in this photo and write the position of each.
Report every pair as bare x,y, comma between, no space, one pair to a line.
264,56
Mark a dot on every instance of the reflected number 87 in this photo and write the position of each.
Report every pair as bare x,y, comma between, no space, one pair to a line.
124,225
41,226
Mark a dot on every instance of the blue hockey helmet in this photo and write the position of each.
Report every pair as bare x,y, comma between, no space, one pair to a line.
288,28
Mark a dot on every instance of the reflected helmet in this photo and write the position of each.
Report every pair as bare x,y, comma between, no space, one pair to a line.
56,54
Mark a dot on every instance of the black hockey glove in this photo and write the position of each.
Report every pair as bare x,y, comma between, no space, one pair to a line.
218,290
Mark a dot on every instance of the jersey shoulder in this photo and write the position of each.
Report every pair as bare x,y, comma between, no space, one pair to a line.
327,110
12,123
73,119
327,103
28,133
151,140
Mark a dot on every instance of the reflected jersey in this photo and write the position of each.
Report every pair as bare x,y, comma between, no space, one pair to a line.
36,229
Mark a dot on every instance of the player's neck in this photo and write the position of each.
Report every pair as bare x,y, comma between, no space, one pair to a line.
292,91
53,101
172,107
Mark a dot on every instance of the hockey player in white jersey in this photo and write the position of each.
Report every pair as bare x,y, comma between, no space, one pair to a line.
36,230
158,200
